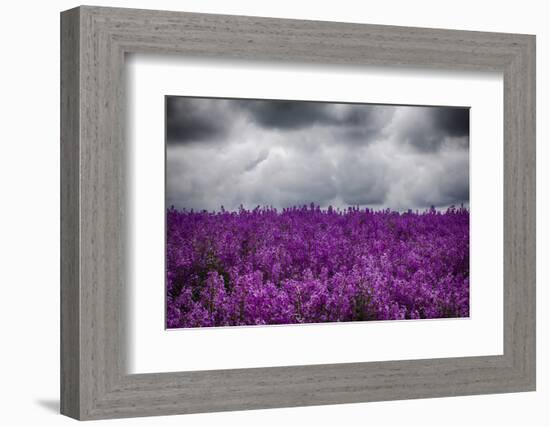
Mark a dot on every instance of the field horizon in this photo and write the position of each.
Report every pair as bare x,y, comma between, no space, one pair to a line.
327,209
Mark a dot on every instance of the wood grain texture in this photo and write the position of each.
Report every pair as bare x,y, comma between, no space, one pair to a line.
94,267
70,297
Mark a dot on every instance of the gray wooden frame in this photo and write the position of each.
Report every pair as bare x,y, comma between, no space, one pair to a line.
94,41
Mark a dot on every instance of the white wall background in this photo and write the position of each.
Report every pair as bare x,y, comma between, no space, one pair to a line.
29,214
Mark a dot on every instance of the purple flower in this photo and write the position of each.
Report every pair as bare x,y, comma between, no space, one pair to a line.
309,265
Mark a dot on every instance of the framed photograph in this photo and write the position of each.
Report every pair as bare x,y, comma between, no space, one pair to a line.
292,212
261,213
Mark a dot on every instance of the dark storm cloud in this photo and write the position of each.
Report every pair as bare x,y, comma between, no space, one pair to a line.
297,115
283,153
286,114
353,121
429,128
194,120
452,121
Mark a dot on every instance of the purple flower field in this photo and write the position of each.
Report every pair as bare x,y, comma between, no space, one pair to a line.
311,265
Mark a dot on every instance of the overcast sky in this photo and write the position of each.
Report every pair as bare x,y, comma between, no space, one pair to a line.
283,153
